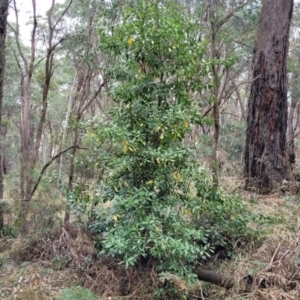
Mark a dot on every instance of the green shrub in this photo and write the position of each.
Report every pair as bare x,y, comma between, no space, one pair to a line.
77,293
5,206
9,231
152,181
61,262
232,139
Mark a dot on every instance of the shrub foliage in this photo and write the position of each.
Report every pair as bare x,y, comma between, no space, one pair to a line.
158,199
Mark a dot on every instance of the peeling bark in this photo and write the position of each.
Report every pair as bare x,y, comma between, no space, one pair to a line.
266,158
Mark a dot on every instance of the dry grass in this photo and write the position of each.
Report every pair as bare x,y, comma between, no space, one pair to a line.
272,271
43,266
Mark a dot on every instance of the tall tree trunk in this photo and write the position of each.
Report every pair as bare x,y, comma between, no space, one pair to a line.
75,92
290,130
266,160
240,104
216,106
3,23
71,173
26,147
292,115
65,126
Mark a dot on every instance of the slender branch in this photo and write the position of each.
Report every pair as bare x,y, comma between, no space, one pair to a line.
63,13
17,61
10,26
33,39
51,29
93,97
229,15
49,69
236,87
240,101
297,117
45,167
231,114
295,135
17,36
56,44
46,85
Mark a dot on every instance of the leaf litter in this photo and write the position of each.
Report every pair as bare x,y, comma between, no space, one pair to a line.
41,267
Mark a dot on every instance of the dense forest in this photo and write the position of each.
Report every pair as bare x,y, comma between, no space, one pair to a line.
149,149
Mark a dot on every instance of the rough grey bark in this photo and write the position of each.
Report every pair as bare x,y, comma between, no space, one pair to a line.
266,158
3,24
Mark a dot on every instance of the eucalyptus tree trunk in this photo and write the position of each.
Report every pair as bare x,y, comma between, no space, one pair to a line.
219,73
3,23
87,97
293,116
31,137
86,89
290,126
65,126
266,157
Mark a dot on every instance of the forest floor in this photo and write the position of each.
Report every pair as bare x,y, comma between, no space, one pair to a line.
43,266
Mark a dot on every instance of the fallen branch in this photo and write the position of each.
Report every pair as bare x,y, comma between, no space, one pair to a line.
214,278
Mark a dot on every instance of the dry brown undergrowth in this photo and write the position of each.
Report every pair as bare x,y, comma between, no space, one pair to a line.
42,267
66,257
272,271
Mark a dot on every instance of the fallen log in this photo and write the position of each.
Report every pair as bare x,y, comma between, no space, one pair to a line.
214,278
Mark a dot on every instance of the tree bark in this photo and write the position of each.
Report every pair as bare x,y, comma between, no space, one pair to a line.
3,24
266,159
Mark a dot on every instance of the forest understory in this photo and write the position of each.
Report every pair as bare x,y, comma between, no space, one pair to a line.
60,262
149,150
